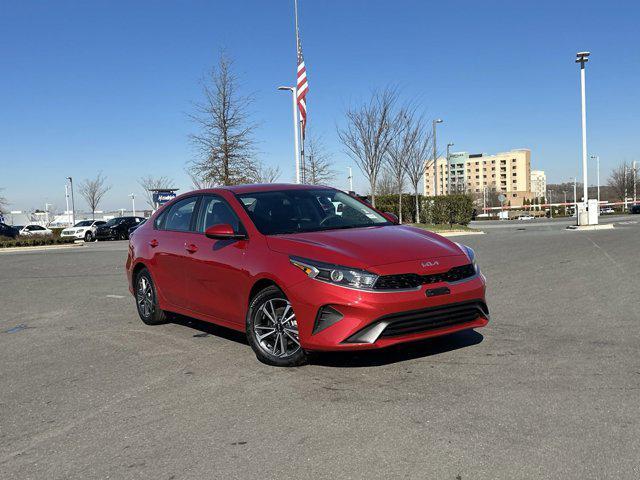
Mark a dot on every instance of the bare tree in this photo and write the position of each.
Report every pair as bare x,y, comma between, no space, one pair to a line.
150,182
368,133
93,191
318,165
4,203
400,150
621,180
225,143
267,174
386,182
417,160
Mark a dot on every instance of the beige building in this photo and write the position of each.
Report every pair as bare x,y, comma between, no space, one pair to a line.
538,183
508,173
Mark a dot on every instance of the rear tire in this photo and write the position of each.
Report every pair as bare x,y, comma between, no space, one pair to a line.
272,329
147,299
88,237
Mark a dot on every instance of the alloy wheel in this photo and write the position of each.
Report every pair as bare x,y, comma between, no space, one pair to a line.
144,297
276,329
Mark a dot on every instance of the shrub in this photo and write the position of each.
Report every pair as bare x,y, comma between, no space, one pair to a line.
445,209
6,242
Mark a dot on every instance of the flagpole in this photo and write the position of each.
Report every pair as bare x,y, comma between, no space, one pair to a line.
300,166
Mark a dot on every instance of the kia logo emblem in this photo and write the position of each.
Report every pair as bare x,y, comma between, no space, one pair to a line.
435,263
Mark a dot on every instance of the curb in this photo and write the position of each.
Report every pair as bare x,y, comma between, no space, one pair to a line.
454,233
590,228
39,248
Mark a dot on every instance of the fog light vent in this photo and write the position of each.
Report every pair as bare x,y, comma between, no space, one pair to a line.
326,317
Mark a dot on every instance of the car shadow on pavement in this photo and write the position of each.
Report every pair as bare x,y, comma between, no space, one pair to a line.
207,328
352,359
398,353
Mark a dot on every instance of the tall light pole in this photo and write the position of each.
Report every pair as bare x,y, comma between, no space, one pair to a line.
575,198
582,58
294,95
66,199
635,179
46,212
435,159
133,204
350,180
73,203
449,145
597,159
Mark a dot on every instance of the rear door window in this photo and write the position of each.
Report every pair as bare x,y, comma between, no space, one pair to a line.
180,216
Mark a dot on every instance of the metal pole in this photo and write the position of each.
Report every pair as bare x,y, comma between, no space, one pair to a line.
449,145
584,132
66,198
133,204
575,199
303,167
635,176
350,180
435,159
624,179
73,203
598,175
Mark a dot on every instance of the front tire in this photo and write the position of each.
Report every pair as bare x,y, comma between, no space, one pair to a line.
272,329
147,299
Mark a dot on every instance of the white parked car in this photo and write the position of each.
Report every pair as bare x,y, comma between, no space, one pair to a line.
607,211
34,229
526,217
83,230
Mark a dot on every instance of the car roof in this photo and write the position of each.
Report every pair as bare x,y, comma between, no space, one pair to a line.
263,187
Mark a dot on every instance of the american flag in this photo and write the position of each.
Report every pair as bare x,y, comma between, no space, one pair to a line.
303,88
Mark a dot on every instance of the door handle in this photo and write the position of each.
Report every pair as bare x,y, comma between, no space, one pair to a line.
191,248
153,243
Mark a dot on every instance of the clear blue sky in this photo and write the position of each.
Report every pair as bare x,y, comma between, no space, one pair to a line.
107,85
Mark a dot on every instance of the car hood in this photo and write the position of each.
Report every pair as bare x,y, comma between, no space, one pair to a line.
366,247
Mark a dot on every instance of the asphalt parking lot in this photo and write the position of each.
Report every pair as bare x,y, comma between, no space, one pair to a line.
550,389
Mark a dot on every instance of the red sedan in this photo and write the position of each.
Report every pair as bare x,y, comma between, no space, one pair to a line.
301,268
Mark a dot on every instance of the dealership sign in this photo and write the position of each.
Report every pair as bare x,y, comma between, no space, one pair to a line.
160,198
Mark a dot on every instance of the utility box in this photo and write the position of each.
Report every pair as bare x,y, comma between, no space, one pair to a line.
594,211
582,215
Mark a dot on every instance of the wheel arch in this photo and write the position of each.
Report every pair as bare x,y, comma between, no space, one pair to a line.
260,285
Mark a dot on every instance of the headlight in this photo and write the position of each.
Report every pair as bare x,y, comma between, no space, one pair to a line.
471,254
336,274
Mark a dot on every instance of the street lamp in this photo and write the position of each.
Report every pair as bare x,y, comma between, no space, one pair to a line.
449,145
435,160
597,159
133,204
73,203
582,58
294,94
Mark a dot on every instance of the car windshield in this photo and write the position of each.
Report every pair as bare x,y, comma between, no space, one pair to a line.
114,221
84,223
296,211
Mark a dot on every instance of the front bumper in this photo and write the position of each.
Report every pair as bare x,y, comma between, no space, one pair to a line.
76,235
374,319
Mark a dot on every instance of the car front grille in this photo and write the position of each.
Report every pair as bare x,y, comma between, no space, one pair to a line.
418,321
406,281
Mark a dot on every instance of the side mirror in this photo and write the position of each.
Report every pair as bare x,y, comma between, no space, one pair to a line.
340,208
223,231
392,217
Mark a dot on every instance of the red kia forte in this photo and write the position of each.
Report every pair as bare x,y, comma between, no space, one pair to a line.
301,268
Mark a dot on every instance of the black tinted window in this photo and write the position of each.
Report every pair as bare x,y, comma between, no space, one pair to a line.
179,216
215,211
295,211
